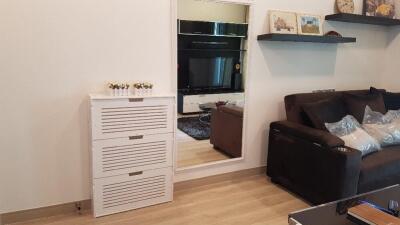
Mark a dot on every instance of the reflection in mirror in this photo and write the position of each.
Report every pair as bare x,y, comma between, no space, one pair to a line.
211,57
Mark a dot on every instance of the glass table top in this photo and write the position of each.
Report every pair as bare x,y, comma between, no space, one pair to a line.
335,213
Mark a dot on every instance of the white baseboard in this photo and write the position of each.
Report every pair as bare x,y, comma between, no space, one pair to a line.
31,214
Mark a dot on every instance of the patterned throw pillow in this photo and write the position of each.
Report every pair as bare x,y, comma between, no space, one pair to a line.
375,124
384,128
350,131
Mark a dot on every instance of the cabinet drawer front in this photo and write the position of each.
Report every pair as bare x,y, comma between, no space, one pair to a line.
137,153
127,192
129,117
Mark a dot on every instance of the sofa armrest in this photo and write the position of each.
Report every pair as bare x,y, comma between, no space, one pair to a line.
226,130
320,137
312,163
231,109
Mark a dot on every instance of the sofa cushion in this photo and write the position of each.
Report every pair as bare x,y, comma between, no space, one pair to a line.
392,100
356,104
325,111
350,131
380,169
294,103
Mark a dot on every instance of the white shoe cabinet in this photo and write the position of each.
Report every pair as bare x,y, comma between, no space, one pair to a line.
132,152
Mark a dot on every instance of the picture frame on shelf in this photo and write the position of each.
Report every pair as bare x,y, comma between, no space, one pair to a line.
345,6
282,22
381,8
308,24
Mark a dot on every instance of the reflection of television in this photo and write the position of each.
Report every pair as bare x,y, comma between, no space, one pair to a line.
206,63
210,72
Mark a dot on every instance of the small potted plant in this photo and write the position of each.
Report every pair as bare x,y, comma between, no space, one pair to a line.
148,88
117,89
113,89
124,90
142,88
137,89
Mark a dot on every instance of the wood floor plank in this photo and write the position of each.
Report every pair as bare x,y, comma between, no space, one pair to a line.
192,152
252,200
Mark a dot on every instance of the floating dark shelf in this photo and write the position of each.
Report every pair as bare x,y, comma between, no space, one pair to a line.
305,38
214,50
355,18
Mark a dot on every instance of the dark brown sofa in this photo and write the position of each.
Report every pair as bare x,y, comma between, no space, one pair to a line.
316,164
226,130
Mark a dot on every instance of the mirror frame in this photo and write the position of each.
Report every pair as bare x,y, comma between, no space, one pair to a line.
174,71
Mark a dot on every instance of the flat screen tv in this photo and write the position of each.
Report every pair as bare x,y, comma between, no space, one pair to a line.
210,73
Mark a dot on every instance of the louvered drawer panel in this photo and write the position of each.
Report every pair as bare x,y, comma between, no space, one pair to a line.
127,192
129,117
124,155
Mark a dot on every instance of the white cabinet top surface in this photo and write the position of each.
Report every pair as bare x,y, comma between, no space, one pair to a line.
102,96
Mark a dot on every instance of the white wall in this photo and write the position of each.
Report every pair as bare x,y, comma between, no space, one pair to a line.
211,11
54,52
390,78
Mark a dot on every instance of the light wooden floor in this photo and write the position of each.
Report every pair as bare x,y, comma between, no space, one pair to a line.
192,152
250,200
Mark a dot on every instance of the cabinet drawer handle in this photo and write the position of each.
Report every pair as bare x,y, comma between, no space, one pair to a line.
136,100
136,137
135,173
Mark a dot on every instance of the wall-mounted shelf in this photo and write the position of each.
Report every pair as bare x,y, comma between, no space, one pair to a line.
355,18
212,50
305,38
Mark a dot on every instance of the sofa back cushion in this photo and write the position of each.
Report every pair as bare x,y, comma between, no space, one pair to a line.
392,100
294,103
325,111
356,104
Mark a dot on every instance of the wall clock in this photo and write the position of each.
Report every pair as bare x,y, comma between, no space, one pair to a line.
345,6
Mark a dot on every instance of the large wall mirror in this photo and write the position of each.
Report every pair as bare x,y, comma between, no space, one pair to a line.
212,43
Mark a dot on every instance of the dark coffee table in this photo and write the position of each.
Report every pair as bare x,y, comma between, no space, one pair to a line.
335,213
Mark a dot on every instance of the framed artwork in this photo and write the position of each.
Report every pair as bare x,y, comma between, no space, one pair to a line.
345,6
380,8
309,24
282,22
